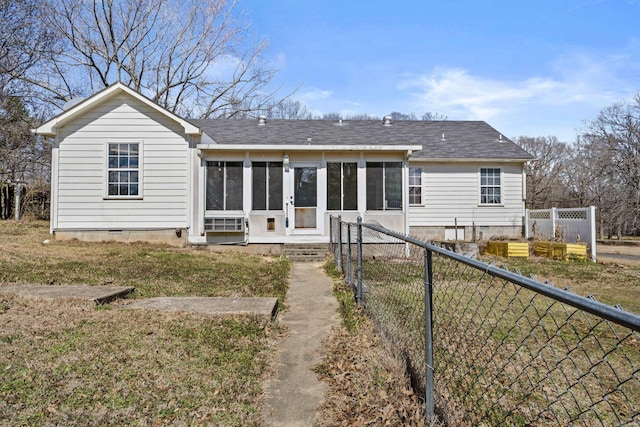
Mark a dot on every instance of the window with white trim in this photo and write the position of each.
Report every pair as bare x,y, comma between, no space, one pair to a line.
384,186
342,186
415,186
266,186
224,186
490,186
123,170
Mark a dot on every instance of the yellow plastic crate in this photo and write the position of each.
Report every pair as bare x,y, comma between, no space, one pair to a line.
543,249
574,250
563,251
508,249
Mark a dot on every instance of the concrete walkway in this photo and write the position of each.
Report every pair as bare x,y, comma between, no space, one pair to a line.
292,397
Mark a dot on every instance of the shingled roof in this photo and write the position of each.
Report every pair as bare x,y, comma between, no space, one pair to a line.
439,139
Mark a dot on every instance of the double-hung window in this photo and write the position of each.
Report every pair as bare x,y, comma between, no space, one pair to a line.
267,185
123,170
415,186
224,186
342,186
490,186
384,185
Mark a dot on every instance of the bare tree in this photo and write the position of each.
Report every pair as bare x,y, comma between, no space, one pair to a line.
330,116
362,116
545,176
434,117
289,109
192,57
24,39
24,159
397,116
613,143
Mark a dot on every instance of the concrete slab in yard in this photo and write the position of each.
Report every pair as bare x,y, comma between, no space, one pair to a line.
98,294
214,306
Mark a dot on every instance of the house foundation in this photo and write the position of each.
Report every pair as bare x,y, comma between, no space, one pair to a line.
172,237
466,233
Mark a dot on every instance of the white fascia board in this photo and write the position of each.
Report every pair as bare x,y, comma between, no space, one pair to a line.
303,147
49,128
464,160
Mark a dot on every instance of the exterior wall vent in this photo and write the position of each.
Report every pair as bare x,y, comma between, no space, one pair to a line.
386,121
262,120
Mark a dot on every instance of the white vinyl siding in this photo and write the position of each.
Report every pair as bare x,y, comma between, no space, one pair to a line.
451,192
83,171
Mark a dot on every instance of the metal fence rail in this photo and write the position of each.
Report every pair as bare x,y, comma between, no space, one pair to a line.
488,346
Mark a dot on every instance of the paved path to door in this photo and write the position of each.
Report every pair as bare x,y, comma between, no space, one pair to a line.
292,397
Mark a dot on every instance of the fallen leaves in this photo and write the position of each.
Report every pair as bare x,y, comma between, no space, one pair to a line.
368,386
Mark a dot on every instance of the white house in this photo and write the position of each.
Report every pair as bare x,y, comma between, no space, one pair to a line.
124,168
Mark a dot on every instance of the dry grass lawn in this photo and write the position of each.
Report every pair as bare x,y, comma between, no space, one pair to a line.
611,281
370,386
68,362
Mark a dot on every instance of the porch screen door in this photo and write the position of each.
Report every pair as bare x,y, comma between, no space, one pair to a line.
305,195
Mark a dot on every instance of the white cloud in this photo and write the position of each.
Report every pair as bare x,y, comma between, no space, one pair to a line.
278,62
311,94
576,77
223,67
575,89
462,94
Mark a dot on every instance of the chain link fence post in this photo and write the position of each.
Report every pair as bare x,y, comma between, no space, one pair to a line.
428,334
349,274
331,233
359,265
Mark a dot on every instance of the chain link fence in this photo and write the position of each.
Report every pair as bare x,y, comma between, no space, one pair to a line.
487,346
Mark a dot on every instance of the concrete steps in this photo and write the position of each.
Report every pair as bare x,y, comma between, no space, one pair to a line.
308,252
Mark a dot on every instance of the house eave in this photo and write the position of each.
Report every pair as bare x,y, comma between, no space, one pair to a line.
465,160
305,147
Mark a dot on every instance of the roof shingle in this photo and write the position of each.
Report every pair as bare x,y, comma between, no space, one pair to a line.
439,139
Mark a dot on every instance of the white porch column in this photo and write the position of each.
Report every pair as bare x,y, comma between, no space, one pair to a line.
247,186
362,186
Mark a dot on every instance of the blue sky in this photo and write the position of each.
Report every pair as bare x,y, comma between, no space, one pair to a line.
532,68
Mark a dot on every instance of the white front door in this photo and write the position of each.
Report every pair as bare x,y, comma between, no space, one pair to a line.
304,198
